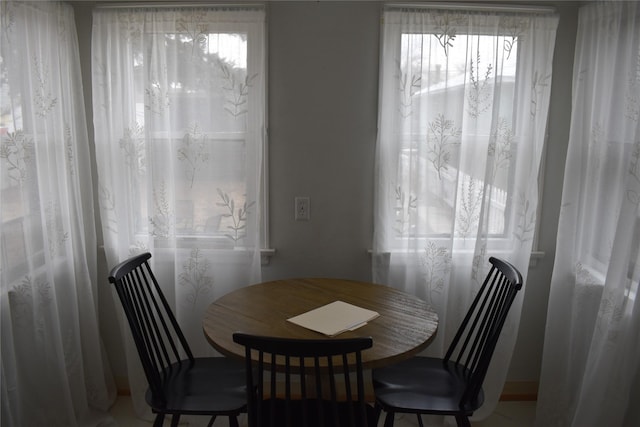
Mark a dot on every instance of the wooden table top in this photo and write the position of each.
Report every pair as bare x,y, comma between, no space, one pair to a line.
404,328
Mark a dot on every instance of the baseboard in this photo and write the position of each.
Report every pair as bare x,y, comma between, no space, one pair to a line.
520,390
122,385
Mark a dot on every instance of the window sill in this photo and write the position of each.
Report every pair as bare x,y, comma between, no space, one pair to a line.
536,256
265,254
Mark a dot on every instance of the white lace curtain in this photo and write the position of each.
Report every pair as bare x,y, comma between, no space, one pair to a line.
591,361
179,114
54,372
463,110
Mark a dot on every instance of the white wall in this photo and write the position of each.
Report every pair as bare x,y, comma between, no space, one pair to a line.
323,84
323,81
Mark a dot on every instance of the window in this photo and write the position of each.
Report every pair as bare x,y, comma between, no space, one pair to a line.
212,150
20,211
192,133
450,93
463,105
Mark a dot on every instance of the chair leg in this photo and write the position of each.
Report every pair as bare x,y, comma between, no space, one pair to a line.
233,421
377,410
462,420
388,420
159,420
175,419
211,421
420,420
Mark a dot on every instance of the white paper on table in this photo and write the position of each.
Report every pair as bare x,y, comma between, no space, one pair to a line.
334,318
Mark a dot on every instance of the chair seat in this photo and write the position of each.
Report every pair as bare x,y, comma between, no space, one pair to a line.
296,410
209,385
423,385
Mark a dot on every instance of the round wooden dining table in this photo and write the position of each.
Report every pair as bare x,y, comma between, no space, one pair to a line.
404,327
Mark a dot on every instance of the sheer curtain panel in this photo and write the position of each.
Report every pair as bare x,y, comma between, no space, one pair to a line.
53,369
462,119
591,360
179,115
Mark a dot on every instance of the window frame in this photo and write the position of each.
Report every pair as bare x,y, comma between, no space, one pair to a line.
500,239
255,39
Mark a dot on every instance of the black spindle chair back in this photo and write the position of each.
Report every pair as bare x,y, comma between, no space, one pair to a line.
317,376
158,338
452,385
178,382
477,337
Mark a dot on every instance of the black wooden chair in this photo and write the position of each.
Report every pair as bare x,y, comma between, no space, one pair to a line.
179,383
453,385
318,390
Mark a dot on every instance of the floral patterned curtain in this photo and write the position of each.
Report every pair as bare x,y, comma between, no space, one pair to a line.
54,372
462,119
178,99
591,361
